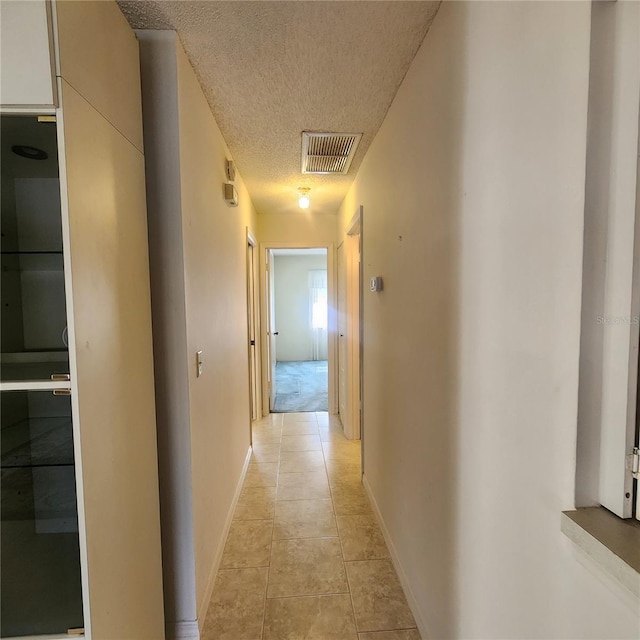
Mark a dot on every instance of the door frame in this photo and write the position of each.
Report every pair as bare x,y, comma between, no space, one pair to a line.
342,310
270,341
353,254
253,319
332,319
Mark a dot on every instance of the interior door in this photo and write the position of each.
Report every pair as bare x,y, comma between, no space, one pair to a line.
342,337
251,319
271,328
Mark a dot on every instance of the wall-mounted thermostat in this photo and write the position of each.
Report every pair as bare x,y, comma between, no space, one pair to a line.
230,194
376,283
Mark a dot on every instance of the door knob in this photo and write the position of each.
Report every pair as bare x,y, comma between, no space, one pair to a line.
276,333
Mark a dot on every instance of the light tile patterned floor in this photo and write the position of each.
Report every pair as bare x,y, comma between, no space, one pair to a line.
305,558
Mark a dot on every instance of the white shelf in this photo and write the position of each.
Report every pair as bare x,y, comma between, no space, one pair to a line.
613,543
34,357
38,385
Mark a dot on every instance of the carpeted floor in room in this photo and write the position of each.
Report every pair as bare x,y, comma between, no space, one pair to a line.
301,386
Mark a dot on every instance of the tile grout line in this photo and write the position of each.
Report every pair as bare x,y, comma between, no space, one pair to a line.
273,525
339,536
344,564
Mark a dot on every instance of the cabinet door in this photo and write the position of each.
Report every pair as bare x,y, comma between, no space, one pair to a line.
26,55
33,314
39,542
108,301
40,583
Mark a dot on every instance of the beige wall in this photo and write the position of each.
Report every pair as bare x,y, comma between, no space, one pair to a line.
301,227
216,306
304,228
198,246
471,351
293,313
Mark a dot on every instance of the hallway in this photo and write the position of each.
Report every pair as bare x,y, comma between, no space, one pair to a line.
305,559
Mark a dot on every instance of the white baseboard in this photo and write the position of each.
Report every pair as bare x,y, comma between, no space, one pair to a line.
202,611
185,630
395,559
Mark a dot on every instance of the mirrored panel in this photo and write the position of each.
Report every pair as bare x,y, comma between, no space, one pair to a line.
33,332
40,586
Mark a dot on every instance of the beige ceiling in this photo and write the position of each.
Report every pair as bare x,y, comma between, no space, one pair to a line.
272,69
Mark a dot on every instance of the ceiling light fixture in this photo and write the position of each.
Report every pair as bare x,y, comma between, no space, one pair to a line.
31,153
303,197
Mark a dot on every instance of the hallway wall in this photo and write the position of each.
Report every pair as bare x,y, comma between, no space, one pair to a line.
302,227
306,229
471,350
198,256
216,305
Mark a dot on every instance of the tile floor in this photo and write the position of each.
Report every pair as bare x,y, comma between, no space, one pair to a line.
305,559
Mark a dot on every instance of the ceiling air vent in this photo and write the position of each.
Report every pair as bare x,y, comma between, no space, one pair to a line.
328,152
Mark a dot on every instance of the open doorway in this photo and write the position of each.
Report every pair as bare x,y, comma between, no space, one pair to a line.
349,310
252,327
298,304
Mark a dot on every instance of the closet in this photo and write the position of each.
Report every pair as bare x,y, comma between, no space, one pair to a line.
79,517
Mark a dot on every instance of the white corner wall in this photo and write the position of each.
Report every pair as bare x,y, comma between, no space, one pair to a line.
198,247
471,350
292,306
158,71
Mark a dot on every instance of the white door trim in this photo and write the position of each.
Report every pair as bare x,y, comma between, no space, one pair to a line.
332,283
253,318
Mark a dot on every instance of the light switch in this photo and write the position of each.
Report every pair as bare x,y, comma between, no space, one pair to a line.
199,362
375,284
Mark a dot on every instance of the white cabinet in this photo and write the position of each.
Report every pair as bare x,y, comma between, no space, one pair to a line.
40,544
75,272
27,79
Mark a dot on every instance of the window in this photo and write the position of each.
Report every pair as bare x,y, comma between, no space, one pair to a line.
318,298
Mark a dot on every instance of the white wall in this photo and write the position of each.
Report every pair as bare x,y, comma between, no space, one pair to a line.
198,247
610,213
293,312
471,351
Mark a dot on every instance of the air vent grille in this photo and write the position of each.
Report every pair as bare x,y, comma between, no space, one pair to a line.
328,152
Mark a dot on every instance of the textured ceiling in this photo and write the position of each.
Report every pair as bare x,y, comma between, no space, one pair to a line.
272,69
